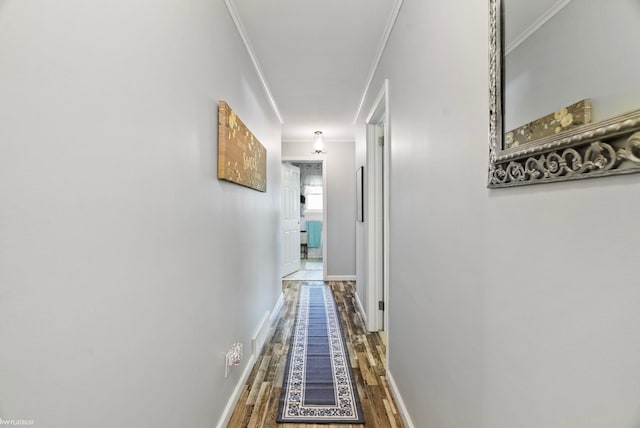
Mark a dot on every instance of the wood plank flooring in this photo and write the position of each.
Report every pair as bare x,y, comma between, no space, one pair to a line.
258,404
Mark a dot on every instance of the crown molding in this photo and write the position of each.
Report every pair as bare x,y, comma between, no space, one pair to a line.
383,44
536,26
231,7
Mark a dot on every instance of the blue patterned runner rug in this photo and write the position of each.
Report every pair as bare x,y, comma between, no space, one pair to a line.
318,384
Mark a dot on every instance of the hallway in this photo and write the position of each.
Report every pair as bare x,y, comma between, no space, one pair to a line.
258,403
129,269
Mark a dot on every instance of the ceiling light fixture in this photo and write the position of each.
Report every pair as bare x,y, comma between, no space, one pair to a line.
318,143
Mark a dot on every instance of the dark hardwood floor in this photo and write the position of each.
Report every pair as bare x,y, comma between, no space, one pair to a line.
258,404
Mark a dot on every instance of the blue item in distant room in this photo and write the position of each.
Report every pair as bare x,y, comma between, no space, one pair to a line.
314,234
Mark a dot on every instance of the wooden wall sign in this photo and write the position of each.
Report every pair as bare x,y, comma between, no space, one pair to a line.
241,157
570,117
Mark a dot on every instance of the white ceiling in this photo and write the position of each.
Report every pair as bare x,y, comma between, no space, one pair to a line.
316,58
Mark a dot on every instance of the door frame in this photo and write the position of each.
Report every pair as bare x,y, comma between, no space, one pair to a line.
323,160
378,229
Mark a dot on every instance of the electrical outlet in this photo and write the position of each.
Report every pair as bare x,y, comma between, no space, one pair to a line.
233,357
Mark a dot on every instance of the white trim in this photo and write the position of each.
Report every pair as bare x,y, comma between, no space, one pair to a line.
383,44
235,16
259,338
379,114
325,226
536,26
372,295
276,310
378,103
235,396
360,309
341,277
406,418
237,391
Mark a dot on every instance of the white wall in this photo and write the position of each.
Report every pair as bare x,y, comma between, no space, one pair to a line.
123,259
341,205
509,308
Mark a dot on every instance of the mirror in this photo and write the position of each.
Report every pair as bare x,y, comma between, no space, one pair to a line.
564,92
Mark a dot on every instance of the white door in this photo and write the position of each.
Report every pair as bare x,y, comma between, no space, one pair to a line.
290,219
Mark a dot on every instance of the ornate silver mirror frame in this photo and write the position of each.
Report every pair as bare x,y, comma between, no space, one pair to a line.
605,148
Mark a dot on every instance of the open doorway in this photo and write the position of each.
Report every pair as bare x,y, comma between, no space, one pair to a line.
308,213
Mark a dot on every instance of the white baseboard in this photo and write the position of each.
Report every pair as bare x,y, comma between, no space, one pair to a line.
399,401
257,342
276,309
260,336
341,278
235,396
360,308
